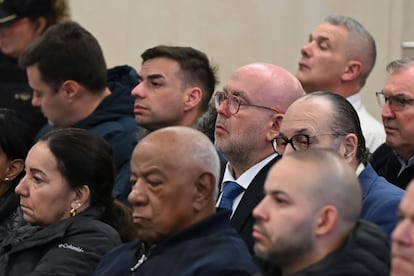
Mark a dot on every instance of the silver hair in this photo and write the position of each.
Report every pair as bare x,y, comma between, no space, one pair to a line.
365,51
399,64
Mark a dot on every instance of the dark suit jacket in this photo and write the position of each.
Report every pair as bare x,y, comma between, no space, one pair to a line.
242,218
386,164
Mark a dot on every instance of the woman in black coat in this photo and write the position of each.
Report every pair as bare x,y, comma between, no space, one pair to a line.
66,195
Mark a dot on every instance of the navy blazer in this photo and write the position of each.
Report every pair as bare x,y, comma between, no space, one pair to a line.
242,219
380,200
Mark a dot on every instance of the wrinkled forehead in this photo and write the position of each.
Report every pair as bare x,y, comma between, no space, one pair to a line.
308,116
331,32
400,81
244,81
149,156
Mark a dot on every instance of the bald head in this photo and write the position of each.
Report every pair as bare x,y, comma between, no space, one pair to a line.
276,86
264,91
174,172
184,147
312,196
334,181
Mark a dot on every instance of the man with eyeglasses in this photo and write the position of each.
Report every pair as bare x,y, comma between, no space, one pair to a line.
250,109
327,120
395,159
338,57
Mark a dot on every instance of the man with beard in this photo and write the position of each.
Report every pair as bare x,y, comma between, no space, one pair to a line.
250,109
304,228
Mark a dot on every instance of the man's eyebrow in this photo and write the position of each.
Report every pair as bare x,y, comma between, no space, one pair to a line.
301,131
238,93
277,192
155,76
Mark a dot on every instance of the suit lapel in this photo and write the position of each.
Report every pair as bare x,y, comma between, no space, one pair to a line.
251,197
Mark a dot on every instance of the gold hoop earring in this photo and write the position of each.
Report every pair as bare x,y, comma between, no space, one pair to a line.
73,212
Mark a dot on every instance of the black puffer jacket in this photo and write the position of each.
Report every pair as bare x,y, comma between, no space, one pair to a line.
10,214
72,246
366,253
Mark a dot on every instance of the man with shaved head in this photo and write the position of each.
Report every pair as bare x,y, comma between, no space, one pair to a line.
303,228
250,109
174,174
327,120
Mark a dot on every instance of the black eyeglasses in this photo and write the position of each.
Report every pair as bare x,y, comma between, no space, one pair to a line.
298,141
396,103
234,103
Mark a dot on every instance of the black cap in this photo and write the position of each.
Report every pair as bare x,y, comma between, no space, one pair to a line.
13,10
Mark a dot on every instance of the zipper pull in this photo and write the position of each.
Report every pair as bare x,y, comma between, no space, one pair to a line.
142,259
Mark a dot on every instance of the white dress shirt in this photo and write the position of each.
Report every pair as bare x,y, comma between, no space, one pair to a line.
372,129
245,179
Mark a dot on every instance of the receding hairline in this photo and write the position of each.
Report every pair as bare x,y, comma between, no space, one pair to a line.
190,146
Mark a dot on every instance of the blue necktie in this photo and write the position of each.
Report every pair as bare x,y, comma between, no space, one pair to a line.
230,191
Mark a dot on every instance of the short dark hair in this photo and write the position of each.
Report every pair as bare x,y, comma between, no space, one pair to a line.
67,51
195,67
344,120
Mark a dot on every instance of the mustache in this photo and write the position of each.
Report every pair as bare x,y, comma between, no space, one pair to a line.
259,226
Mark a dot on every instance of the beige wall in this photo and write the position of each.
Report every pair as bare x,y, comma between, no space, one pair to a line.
237,32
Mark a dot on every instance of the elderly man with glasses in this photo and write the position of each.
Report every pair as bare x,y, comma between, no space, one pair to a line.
395,158
327,120
250,109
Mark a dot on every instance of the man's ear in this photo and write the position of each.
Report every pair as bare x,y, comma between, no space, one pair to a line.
274,126
205,185
71,89
40,25
326,219
15,167
193,96
349,147
352,70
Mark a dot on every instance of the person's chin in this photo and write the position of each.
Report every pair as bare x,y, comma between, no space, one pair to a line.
392,140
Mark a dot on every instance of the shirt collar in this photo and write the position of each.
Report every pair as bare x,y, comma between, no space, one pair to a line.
247,177
355,100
